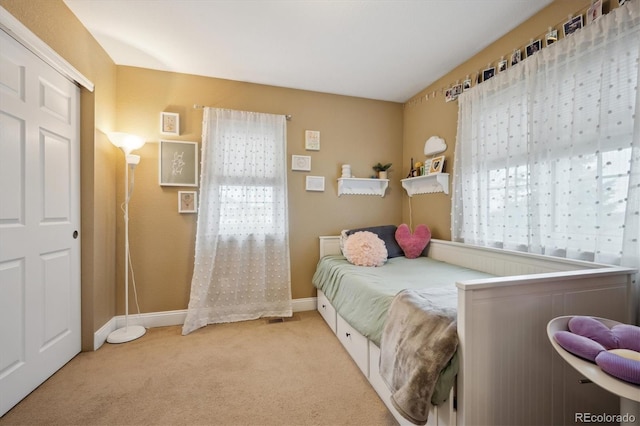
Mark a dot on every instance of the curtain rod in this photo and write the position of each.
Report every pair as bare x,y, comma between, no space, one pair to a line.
196,106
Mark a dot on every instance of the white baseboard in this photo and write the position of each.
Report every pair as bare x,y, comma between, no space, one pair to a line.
168,318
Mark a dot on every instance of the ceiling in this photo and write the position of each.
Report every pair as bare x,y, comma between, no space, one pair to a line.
377,49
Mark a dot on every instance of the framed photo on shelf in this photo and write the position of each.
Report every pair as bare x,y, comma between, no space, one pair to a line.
170,123
187,202
301,163
488,73
178,163
437,164
427,166
502,65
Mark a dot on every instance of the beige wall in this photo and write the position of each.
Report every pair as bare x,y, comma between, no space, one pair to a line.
434,116
358,131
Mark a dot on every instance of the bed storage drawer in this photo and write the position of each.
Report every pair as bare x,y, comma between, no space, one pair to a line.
327,310
355,343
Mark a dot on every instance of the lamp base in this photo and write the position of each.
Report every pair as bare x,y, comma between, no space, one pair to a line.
126,334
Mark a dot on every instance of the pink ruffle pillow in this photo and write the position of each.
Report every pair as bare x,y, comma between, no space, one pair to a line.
413,244
364,248
616,350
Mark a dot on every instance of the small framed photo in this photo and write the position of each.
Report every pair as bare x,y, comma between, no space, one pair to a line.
502,65
572,25
551,37
301,163
516,57
178,163
453,92
466,84
594,12
533,47
187,202
488,73
170,123
315,183
312,140
437,164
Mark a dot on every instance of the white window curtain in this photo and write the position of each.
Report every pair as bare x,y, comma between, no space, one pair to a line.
547,157
241,269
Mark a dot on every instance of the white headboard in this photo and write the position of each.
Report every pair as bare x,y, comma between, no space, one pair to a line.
329,245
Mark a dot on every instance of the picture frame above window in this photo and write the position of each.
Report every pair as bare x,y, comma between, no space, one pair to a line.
187,202
170,123
178,163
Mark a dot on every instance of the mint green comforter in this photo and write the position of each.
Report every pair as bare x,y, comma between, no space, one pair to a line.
362,295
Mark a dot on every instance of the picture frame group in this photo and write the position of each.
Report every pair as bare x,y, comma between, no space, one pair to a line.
178,163
187,201
170,123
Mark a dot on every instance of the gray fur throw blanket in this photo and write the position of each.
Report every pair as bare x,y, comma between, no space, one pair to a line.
418,340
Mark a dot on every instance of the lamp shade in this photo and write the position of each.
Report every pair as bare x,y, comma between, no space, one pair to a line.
126,141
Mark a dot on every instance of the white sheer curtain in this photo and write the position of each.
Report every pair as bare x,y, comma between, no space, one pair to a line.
241,269
547,158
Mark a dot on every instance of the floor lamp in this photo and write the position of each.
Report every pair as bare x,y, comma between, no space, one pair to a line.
126,143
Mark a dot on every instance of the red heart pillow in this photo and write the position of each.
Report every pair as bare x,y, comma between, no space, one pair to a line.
413,244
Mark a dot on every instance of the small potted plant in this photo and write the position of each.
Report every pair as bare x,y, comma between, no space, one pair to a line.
382,170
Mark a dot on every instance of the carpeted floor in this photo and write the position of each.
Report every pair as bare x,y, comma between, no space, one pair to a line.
250,373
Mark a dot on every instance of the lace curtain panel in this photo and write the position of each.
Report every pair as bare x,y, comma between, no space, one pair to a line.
547,158
241,269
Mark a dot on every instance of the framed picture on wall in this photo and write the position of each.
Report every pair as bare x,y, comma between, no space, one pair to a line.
301,163
187,202
315,183
170,123
178,163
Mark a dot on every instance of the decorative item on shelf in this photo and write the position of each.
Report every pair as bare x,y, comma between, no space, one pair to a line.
434,145
419,168
437,165
572,25
412,169
346,170
381,170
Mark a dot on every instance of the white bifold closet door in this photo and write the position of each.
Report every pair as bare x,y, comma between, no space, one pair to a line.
39,222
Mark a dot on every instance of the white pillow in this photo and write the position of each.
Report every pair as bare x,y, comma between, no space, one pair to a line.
365,248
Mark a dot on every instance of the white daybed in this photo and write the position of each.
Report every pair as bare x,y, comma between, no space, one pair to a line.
509,373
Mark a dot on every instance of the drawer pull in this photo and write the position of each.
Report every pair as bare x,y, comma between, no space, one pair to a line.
324,306
348,334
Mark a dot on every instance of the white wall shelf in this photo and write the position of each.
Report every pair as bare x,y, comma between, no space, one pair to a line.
362,186
427,184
